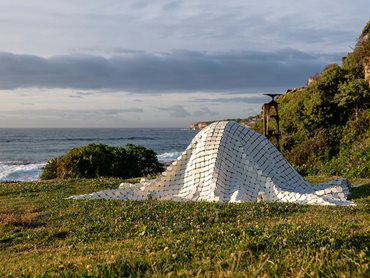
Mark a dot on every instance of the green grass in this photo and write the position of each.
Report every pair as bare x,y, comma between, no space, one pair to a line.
43,234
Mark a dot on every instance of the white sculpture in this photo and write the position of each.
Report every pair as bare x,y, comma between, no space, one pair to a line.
230,163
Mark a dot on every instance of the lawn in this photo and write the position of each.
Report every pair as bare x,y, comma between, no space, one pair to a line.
44,234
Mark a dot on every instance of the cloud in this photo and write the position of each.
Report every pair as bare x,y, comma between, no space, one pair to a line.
131,110
177,111
72,113
246,99
84,93
111,112
205,111
173,5
54,27
175,71
81,94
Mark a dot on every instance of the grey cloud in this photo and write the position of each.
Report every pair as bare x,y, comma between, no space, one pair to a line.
56,26
172,5
174,71
73,113
131,110
140,4
84,93
177,111
246,99
205,111
127,51
80,95
116,111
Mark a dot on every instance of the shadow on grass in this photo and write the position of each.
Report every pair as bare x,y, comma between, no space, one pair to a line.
357,192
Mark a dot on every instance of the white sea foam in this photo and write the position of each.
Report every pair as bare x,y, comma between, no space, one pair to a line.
167,157
20,172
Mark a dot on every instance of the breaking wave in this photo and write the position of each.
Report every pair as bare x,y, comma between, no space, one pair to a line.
16,171
167,157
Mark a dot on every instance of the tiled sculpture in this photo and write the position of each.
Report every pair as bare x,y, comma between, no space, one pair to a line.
230,163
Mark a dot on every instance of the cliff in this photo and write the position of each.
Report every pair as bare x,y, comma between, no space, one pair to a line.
247,122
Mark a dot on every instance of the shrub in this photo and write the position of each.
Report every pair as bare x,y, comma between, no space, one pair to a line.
99,160
325,127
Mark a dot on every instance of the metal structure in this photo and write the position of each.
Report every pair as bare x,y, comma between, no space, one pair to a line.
268,115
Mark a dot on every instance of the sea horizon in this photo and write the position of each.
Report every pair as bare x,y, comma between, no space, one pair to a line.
25,151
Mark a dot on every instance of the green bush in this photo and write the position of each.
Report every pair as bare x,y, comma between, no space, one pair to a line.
99,160
325,127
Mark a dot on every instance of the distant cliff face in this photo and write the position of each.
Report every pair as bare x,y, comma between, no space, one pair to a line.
198,125
247,122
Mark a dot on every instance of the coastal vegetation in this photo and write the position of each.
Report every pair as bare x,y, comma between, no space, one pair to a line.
44,234
325,127
100,160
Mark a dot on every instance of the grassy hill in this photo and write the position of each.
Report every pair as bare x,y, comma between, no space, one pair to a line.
44,234
325,127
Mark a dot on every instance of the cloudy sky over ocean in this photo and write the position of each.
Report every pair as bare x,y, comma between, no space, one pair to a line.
162,63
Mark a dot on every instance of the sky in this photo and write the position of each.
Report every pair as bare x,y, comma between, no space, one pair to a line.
162,63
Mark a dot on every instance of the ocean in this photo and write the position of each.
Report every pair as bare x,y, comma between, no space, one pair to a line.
23,152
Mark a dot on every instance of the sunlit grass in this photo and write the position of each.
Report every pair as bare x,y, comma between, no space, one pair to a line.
42,233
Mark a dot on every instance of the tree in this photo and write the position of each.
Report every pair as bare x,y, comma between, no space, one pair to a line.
354,95
354,62
325,126
319,107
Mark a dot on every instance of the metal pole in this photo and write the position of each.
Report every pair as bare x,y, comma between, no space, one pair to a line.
267,117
